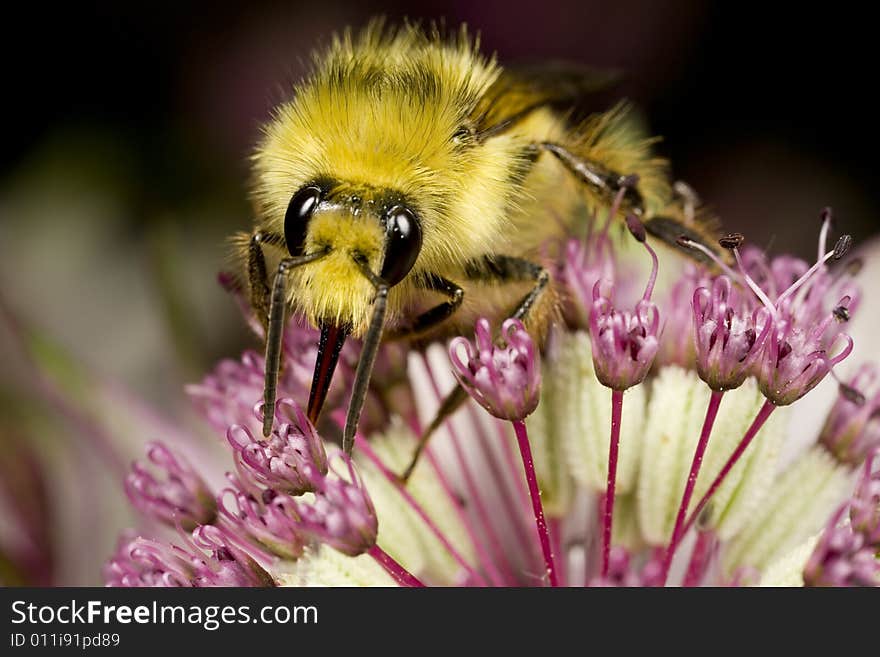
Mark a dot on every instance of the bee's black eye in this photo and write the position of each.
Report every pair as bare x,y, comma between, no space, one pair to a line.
402,243
296,221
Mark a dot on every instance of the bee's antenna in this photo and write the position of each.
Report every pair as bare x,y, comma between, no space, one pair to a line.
275,333
368,357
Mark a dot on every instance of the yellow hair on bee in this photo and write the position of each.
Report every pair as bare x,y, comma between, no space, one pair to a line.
390,110
382,110
411,117
349,289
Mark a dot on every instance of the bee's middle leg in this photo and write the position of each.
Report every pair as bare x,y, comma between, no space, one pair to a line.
432,317
510,269
501,269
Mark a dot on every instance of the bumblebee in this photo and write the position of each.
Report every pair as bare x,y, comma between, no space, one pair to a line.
409,184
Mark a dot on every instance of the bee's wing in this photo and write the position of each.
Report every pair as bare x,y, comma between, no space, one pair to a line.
521,89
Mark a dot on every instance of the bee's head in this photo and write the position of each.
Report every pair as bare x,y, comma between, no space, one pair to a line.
367,236
358,227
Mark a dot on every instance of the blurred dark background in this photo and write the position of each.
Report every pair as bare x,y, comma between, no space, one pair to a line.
127,128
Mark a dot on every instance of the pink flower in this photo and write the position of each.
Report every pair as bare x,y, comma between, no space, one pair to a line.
180,496
625,343
505,380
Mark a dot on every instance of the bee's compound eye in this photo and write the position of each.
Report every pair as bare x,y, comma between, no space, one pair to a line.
296,221
402,244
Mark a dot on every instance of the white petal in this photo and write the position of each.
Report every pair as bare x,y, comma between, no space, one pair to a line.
679,400
788,570
579,411
402,533
324,566
799,504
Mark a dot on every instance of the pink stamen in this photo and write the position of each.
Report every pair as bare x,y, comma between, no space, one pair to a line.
474,495
367,451
764,413
823,234
803,279
556,529
616,413
637,229
454,500
463,517
612,212
700,559
400,574
654,269
711,413
510,462
709,253
522,437
500,481
771,308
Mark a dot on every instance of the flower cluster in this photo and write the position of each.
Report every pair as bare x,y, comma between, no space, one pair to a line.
264,516
291,460
625,343
141,562
638,444
727,335
772,319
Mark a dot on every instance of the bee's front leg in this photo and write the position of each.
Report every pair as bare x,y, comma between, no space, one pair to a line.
275,332
258,277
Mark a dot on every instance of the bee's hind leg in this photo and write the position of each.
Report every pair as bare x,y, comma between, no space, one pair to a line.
599,178
501,269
